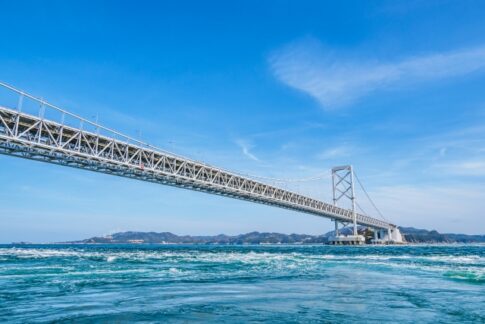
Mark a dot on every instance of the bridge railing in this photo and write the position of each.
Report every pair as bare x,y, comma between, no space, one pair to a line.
27,103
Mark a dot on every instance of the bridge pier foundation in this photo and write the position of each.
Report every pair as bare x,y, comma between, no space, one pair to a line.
391,236
347,240
340,239
379,237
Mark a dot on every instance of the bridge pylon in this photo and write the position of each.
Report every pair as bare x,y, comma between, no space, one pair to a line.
343,188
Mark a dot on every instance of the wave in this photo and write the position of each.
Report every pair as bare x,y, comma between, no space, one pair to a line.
206,262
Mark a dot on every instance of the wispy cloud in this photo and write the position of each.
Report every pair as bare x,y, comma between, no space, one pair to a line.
335,152
457,207
245,148
335,81
475,168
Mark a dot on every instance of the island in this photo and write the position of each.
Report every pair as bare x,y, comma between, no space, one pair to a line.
411,235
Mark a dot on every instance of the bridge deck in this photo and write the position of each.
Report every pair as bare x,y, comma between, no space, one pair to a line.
34,137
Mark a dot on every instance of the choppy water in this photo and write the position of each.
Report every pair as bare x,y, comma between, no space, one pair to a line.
160,283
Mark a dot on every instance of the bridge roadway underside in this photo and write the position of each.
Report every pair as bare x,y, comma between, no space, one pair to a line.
31,137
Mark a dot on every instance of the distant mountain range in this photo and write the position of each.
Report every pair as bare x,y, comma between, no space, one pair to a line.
170,238
412,235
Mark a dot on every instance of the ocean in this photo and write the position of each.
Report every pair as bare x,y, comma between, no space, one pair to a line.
236,284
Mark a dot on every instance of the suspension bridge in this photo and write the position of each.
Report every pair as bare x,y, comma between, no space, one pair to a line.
51,134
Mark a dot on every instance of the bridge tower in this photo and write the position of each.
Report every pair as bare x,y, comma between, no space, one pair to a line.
343,188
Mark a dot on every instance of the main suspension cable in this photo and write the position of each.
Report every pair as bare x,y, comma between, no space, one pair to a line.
370,199
361,209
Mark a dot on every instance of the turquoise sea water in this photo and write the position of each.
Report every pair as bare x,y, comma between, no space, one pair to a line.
175,283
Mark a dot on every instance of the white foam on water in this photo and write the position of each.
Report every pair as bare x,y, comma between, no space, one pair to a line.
244,262
111,258
38,253
174,271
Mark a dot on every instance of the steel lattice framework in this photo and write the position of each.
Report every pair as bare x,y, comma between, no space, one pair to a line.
107,151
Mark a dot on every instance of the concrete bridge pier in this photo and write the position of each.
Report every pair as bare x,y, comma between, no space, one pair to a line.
340,239
379,236
391,236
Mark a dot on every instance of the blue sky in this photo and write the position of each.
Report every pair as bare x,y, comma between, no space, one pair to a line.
283,89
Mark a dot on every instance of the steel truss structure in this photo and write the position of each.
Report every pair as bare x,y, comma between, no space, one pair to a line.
343,187
37,138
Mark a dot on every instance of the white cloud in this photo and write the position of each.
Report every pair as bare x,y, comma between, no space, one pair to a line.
334,153
464,168
245,148
335,81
